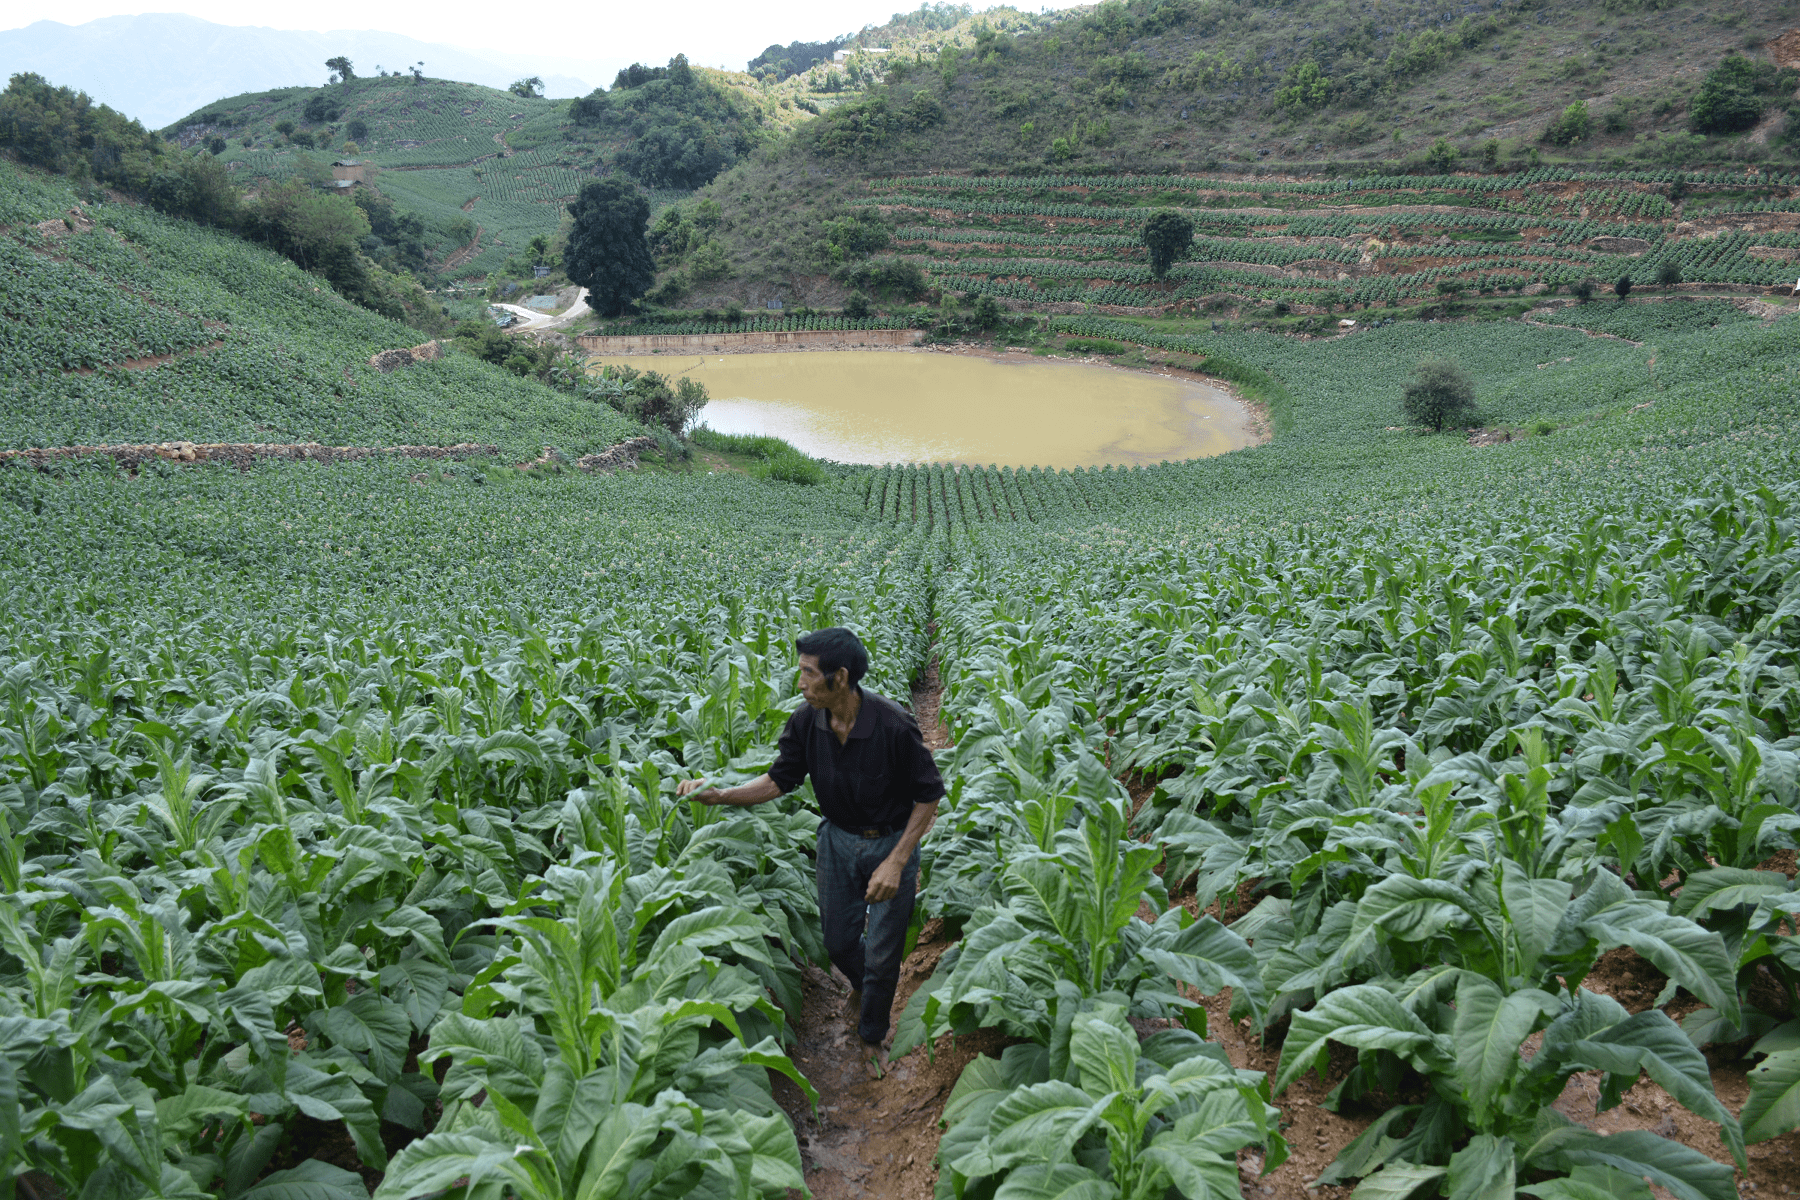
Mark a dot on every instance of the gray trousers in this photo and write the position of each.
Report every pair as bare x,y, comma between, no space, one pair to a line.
866,941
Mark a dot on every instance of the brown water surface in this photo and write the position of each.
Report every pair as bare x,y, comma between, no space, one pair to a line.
880,406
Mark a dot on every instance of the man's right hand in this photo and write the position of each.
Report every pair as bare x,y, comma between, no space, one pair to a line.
758,791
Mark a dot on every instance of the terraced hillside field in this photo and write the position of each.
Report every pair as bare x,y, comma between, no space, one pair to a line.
1336,245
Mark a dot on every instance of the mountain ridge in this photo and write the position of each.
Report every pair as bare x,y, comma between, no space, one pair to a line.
158,66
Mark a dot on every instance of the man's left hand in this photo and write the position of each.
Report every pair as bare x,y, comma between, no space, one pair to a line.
884,884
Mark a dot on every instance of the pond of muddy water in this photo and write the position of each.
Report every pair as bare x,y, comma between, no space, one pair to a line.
879,406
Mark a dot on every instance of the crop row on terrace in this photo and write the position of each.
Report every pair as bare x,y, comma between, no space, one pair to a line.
1367,242
291,363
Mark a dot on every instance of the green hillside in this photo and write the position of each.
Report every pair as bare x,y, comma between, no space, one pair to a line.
1167,88
126,326
485,170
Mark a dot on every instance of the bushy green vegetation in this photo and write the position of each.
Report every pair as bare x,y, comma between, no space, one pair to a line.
682,127
290,363
1459,719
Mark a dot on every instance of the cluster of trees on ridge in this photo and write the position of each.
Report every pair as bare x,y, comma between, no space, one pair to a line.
684,129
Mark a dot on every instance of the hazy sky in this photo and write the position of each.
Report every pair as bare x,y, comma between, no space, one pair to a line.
716,33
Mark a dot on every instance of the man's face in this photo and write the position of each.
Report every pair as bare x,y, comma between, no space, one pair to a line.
819,688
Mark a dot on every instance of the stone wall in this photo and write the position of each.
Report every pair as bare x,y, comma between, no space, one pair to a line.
695,342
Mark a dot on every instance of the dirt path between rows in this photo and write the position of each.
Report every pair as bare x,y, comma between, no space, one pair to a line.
877,1137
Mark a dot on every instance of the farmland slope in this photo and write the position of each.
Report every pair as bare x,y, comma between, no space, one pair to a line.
125,326
1163,87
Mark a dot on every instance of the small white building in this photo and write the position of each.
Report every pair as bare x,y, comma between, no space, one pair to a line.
840,56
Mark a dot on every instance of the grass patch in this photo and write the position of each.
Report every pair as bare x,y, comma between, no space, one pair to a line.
1086,345
770,457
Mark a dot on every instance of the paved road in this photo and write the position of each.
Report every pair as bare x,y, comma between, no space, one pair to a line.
535,321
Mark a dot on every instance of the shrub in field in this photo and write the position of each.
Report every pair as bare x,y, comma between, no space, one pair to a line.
1440,393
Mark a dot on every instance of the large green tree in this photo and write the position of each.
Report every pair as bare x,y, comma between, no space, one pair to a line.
1727,100
608,252
1167,236
1438,394
341,67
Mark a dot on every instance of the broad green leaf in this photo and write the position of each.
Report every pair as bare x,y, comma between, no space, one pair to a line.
1691,956
1482,1170
776,1166
1210,958
328,1097
1363,1016
1785,1036
1488,1031
1412,910
418,928
1197,1172
311,1180
1774,1104
1057,1181
742,931
1534,908
619,1141
366,1022
1399,1181
420,985
492,1054
1650,1042
1687,1173
1716,888
437,1160
1035,1124
1370,1149
180,1117
1591,1183
1039,891
1105,1054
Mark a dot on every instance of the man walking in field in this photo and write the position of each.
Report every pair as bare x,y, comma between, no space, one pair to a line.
878,790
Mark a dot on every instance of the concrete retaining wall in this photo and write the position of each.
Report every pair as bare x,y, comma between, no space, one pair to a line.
693,342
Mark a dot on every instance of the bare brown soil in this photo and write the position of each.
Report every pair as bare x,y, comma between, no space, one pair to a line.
469,251
149,360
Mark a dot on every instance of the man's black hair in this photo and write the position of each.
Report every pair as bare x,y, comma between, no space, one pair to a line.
836,647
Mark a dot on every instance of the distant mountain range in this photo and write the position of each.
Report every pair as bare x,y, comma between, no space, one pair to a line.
159,66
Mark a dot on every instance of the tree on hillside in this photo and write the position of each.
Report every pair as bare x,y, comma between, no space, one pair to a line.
1573,126
1440,393
1167,236
1622,288
1731,97
527,88
342,67
1304,89
608,252
1668,275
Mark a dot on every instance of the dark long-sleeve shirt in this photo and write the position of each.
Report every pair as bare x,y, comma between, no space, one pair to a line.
873,779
